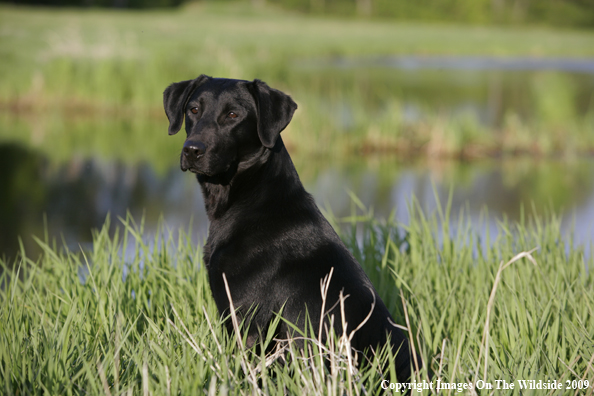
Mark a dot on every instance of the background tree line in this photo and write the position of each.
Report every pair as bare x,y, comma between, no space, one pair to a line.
100,3
576,13
551,12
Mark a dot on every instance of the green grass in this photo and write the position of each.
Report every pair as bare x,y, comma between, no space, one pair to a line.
116,57
111,320
107,64
141,320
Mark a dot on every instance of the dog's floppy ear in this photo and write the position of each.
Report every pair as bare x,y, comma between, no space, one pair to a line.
275,110
176,97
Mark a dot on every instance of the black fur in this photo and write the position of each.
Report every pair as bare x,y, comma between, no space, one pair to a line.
266,233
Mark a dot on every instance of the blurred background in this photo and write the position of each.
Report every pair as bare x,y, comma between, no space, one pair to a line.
491,100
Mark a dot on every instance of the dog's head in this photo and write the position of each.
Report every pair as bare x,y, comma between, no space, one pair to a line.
227,121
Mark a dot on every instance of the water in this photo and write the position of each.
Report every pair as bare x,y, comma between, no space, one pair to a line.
457,63
65,173
76,196
490,90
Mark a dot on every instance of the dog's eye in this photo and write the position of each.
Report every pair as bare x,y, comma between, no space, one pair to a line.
194,110
232,115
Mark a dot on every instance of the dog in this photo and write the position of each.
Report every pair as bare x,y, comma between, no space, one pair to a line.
268,242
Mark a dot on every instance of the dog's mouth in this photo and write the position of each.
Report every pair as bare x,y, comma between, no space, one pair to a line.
195,170
199,172
203,168
213,177
187,164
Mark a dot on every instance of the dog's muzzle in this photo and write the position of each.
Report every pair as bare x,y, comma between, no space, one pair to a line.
191,153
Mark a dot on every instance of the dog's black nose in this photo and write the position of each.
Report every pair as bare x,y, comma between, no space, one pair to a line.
194,149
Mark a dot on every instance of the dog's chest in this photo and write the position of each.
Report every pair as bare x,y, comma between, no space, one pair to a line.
227,251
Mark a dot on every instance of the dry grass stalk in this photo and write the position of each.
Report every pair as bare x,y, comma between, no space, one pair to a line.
245,365
103,379
410,335
485,340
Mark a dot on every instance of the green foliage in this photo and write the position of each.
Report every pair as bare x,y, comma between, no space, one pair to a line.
134,314
576,13
550,12
62,66
103,3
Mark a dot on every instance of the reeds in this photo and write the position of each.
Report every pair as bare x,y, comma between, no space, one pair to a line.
134,314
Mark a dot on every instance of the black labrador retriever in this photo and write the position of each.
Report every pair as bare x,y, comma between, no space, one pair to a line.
267,237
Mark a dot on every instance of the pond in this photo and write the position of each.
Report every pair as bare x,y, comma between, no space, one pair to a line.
65,172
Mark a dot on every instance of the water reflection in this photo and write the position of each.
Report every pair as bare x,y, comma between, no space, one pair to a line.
457,63
75,168
490,96
76,196
22,193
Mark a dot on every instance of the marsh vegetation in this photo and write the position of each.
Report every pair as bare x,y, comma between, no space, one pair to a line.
131,315
492,155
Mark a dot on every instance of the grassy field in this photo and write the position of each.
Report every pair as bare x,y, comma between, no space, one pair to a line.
127,57
135,316
61,66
